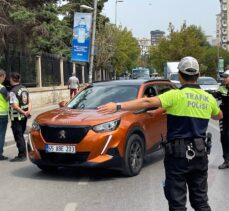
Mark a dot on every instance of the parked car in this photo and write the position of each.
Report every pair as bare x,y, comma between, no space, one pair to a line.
76,134
208,84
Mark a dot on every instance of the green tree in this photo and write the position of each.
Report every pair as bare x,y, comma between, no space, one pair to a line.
189,41
104,46
126,51
35,26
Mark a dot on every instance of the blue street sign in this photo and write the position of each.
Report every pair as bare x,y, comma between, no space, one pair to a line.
81,37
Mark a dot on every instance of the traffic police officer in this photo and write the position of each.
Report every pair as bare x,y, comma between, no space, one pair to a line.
223,95
188,112
20,108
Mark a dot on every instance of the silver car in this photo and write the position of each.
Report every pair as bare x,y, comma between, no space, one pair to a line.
208,84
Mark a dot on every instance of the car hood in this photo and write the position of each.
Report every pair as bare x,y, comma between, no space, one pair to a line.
209,87
66,116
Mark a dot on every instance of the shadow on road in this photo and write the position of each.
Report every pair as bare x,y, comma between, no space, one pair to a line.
154,157
81,173
68,174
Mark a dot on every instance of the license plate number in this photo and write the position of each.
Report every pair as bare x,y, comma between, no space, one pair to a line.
60,148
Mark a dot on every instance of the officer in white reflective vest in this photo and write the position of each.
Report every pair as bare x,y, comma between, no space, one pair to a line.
20,108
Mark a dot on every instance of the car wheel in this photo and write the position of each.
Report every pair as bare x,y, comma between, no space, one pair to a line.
134,155
47,168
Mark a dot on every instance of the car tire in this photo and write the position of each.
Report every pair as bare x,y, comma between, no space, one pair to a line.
47,168
134,156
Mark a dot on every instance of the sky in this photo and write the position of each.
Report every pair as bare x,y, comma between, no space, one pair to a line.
143,16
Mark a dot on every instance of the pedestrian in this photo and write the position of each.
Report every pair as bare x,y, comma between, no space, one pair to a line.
188,112
20,108
4,110
73,85
223,95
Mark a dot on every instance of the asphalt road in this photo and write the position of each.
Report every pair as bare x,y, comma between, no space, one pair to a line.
23,187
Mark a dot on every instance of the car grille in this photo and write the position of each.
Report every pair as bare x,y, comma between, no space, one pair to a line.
64,134
57,158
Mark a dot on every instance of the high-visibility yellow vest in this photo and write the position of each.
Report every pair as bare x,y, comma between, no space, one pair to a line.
188,111
4,105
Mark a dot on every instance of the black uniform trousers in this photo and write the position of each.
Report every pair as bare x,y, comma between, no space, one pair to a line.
18,128
224,131
182,174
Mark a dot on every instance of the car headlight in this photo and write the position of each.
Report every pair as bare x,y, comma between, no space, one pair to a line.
35,125
108,126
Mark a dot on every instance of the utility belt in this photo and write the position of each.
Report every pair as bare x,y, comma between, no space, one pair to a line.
186,148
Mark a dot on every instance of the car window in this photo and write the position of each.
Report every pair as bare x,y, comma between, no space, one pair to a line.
94,96
162,88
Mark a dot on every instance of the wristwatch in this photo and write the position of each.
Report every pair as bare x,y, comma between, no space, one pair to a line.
118,107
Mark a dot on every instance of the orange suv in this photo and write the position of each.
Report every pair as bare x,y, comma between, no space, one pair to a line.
76,134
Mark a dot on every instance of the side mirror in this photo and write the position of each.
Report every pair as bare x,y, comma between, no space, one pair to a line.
62,104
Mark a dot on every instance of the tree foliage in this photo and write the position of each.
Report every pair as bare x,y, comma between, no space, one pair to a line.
116,48
126,51
35,25
189,41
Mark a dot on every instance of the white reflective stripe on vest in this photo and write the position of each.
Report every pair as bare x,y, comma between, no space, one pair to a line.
3,113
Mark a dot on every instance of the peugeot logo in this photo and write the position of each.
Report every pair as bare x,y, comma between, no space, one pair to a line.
62,134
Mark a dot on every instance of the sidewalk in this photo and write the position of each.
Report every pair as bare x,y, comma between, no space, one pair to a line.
35,111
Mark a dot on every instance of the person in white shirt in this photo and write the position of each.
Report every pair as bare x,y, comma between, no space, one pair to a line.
73,85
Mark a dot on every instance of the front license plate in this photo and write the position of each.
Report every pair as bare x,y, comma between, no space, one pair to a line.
60,148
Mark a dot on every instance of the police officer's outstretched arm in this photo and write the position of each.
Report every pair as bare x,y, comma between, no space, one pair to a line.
132,105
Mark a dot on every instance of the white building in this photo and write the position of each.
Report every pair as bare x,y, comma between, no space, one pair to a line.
222,29
144,45
212,40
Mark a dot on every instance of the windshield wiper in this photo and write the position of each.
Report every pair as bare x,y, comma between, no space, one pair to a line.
82,106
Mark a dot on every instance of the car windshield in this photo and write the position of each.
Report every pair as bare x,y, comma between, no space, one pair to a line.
94,96
207,81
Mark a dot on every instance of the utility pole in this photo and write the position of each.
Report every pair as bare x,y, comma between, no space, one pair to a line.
93,41
116,4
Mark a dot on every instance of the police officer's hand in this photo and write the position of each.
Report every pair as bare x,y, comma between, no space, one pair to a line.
108,108
27,114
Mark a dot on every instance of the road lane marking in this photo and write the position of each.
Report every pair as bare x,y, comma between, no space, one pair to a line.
71,206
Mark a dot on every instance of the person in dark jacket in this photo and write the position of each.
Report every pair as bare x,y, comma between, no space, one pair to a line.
223,95
20,108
